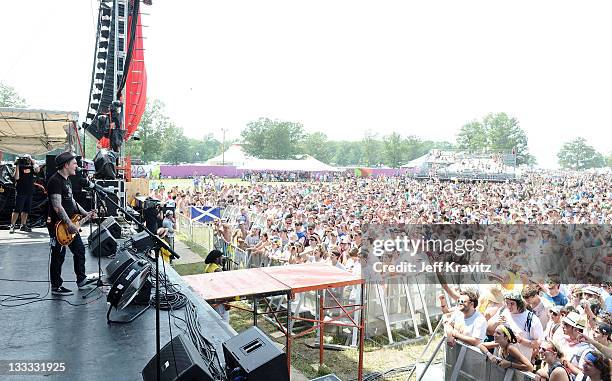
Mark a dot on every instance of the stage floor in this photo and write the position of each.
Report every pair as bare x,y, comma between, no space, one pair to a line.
52,331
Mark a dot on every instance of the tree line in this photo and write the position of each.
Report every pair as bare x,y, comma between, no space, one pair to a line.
158,138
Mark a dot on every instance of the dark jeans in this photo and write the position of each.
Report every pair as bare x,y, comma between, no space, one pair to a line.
58,253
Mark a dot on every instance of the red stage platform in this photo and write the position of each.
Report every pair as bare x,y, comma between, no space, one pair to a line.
269,281
259,283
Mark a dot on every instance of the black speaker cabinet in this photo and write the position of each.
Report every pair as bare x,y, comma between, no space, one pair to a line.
252,355
108,244
117,265
109,224
49,166
142,241
189,365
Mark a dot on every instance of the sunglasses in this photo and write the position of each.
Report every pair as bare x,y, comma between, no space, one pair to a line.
545,350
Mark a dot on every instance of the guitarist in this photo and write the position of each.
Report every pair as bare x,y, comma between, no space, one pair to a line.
61,207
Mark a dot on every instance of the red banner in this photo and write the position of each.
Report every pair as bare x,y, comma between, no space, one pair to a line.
135,92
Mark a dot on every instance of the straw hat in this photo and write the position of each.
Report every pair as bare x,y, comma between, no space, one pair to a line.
575,320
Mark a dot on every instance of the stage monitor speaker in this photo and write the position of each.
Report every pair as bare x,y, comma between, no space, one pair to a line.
180,361
117,265
253,356
142,241
109,224
108,244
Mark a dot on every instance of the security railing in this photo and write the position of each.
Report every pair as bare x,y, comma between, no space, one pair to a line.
198,233
467,363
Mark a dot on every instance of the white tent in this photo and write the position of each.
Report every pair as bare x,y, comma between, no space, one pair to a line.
234,155
416,163
306,164
35,132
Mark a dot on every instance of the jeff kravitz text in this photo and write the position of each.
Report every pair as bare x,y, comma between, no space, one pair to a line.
408,267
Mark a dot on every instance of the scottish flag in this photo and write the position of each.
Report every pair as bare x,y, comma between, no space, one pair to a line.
205,213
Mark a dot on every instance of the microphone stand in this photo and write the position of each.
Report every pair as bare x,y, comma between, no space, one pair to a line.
99,207
173,255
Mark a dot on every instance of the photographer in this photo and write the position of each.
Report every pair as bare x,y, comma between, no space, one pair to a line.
24,189
168,224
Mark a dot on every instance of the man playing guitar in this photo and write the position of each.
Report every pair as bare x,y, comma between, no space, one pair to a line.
61,207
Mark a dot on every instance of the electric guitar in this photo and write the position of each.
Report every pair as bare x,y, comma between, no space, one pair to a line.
63,236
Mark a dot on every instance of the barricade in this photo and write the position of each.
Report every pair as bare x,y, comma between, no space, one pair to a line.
467,363
200,234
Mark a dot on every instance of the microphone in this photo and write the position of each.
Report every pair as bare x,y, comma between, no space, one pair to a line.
88,184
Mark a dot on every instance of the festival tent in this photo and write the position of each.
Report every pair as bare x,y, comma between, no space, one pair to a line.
306,163
417,163
234,155
35,132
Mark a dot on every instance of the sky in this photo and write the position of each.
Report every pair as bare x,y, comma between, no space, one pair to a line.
343,67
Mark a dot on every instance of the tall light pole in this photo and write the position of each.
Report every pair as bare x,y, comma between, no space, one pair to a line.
224,130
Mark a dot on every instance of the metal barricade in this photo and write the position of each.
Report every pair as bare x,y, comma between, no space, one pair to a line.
466,363
200,234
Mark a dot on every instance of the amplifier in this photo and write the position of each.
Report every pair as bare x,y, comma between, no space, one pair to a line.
118,197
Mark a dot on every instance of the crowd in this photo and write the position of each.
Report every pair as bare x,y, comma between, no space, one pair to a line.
565,325
288,176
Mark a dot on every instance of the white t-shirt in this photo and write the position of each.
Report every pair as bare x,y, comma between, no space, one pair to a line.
574,353
518,324
474,326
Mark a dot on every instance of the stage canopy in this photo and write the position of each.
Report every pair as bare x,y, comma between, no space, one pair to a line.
306,164
35,132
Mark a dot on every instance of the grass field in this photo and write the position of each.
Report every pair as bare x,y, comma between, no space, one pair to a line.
377,358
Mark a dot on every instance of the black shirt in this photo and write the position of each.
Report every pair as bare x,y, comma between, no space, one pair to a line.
57,184
25,184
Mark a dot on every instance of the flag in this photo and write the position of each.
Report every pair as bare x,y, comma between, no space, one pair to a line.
205,213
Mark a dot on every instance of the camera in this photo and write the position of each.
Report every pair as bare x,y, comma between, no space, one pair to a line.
23,161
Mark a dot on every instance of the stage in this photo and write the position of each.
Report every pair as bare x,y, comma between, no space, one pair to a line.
52,331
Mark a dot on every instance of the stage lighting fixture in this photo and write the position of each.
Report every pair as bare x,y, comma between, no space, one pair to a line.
102,55
105,33
101,65
99,86
90,116
105,22
103,45
99,75
127,284
95,106
97,97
